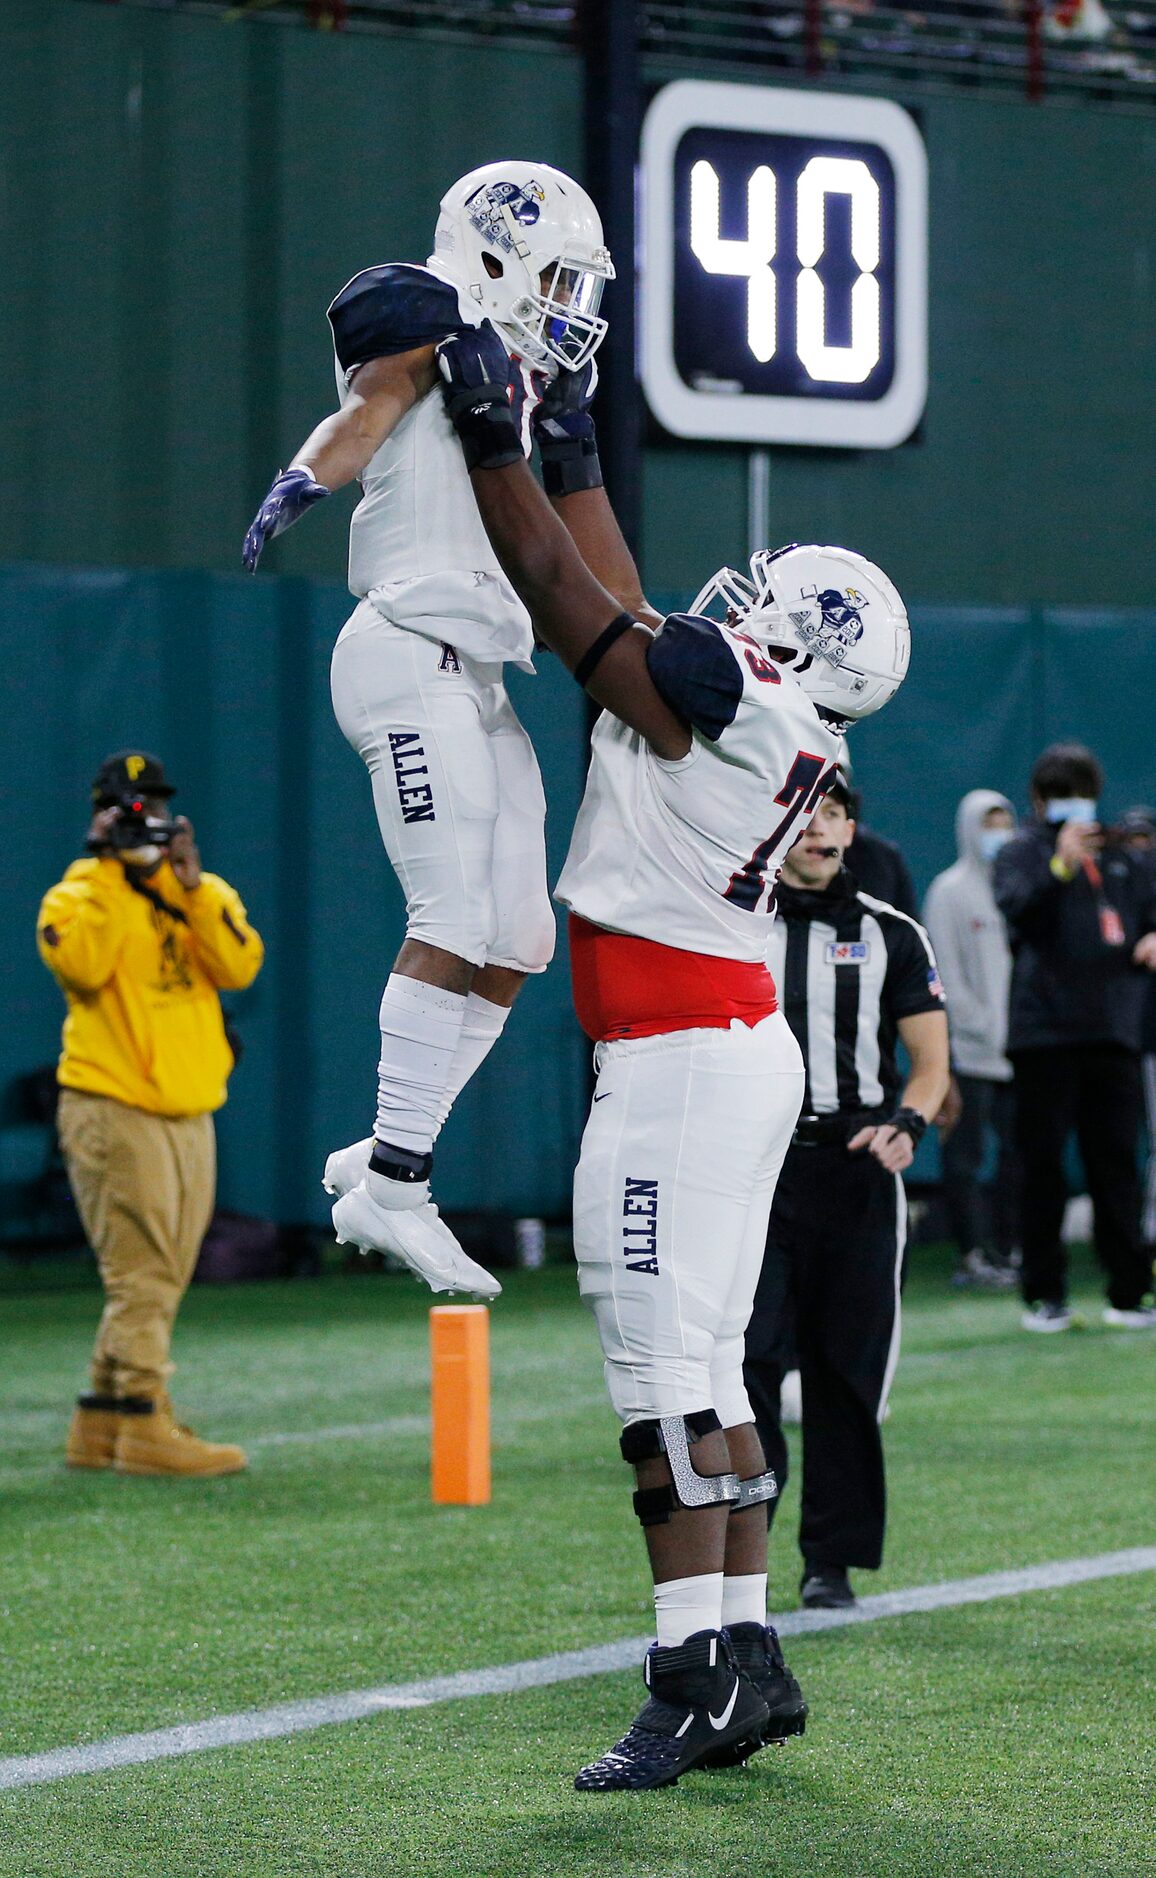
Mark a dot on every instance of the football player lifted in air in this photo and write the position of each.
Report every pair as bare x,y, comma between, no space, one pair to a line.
417,671
717,741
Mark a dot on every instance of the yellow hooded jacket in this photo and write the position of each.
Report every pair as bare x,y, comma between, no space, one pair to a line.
144,1022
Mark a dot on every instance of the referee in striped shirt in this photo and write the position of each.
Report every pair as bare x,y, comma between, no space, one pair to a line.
853,975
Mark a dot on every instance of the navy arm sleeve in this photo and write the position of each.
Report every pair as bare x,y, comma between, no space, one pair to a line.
696,673
912,984
391,309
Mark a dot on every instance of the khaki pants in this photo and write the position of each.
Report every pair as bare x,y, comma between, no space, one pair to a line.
144,1187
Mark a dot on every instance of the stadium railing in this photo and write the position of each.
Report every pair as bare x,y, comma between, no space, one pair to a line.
1101,49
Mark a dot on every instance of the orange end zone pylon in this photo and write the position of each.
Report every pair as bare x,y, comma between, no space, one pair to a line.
460,1351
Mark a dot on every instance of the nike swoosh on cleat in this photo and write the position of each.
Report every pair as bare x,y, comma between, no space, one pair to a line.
728,1711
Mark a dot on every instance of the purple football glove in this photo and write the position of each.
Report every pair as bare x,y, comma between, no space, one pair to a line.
293,492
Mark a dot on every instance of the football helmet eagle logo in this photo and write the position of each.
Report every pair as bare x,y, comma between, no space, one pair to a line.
492,209
839,625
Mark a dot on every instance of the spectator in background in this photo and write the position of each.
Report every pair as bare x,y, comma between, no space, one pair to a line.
970,941
1081,921
141,942
1136,831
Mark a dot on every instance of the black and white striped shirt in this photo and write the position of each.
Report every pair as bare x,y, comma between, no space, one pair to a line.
847,968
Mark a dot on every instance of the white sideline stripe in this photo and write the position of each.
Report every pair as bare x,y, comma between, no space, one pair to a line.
346,1431
392,1426
420,1424
291,1718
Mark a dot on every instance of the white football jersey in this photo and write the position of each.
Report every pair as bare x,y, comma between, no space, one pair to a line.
417,547
687,853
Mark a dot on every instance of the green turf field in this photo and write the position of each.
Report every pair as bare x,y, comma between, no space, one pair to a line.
1010,1739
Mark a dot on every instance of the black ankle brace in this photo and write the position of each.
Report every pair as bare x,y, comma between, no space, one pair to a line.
399,1163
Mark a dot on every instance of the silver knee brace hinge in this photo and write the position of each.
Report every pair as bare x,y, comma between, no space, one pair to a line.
673,1435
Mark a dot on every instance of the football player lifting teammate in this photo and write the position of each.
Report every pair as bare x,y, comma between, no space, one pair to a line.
417,671
717,741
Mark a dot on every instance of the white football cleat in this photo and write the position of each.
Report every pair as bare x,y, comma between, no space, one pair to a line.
346,1166
416,1236
1143,1317
1047,1318
791,1399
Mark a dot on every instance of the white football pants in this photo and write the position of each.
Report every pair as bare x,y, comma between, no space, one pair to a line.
456,787
684,1143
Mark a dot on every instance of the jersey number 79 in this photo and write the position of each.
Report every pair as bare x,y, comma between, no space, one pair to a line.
806,785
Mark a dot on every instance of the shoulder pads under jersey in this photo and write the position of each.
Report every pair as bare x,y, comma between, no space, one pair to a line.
696,671
390,309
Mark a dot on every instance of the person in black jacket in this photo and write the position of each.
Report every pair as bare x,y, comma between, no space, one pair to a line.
1082,923
1136,831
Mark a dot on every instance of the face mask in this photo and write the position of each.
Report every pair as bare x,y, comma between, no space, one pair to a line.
148,856
1071,809
991,840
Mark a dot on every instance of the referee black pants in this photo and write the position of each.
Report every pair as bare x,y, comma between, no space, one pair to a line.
831,1274
1095,1090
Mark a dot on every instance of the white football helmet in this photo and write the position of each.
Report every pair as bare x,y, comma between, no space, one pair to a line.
528,220
836,614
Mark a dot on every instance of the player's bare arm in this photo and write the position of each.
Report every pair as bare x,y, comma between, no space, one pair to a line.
381,392
570,608
572,476
341,446
593,527
924,1038
576,616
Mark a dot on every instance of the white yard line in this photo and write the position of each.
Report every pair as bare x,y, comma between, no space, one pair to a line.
30,1421
291,1718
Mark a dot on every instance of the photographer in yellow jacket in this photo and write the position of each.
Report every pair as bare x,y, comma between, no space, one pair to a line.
141,943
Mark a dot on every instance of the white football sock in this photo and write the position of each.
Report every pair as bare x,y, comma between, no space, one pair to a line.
745,1599
684,1605
421,1027
481,1027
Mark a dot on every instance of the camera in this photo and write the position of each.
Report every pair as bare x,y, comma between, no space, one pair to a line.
134,827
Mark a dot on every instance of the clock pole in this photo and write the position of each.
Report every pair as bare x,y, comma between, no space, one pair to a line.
609,33
758,500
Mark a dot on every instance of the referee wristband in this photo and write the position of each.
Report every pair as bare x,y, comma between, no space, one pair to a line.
908,1122
594,654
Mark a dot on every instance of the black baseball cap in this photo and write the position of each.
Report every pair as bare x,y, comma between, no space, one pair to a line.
841,791
133,772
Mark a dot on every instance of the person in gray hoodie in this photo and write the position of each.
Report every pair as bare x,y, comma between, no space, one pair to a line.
970,940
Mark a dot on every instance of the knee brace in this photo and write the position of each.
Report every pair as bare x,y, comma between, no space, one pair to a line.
673,1436
756,1491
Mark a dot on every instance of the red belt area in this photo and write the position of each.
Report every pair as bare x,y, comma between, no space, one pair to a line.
627,987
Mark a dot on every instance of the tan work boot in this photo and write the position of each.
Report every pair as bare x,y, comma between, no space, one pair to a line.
151,1441
92,1431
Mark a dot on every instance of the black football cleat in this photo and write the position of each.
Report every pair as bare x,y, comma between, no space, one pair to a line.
699,1701
759,1657
826,1588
